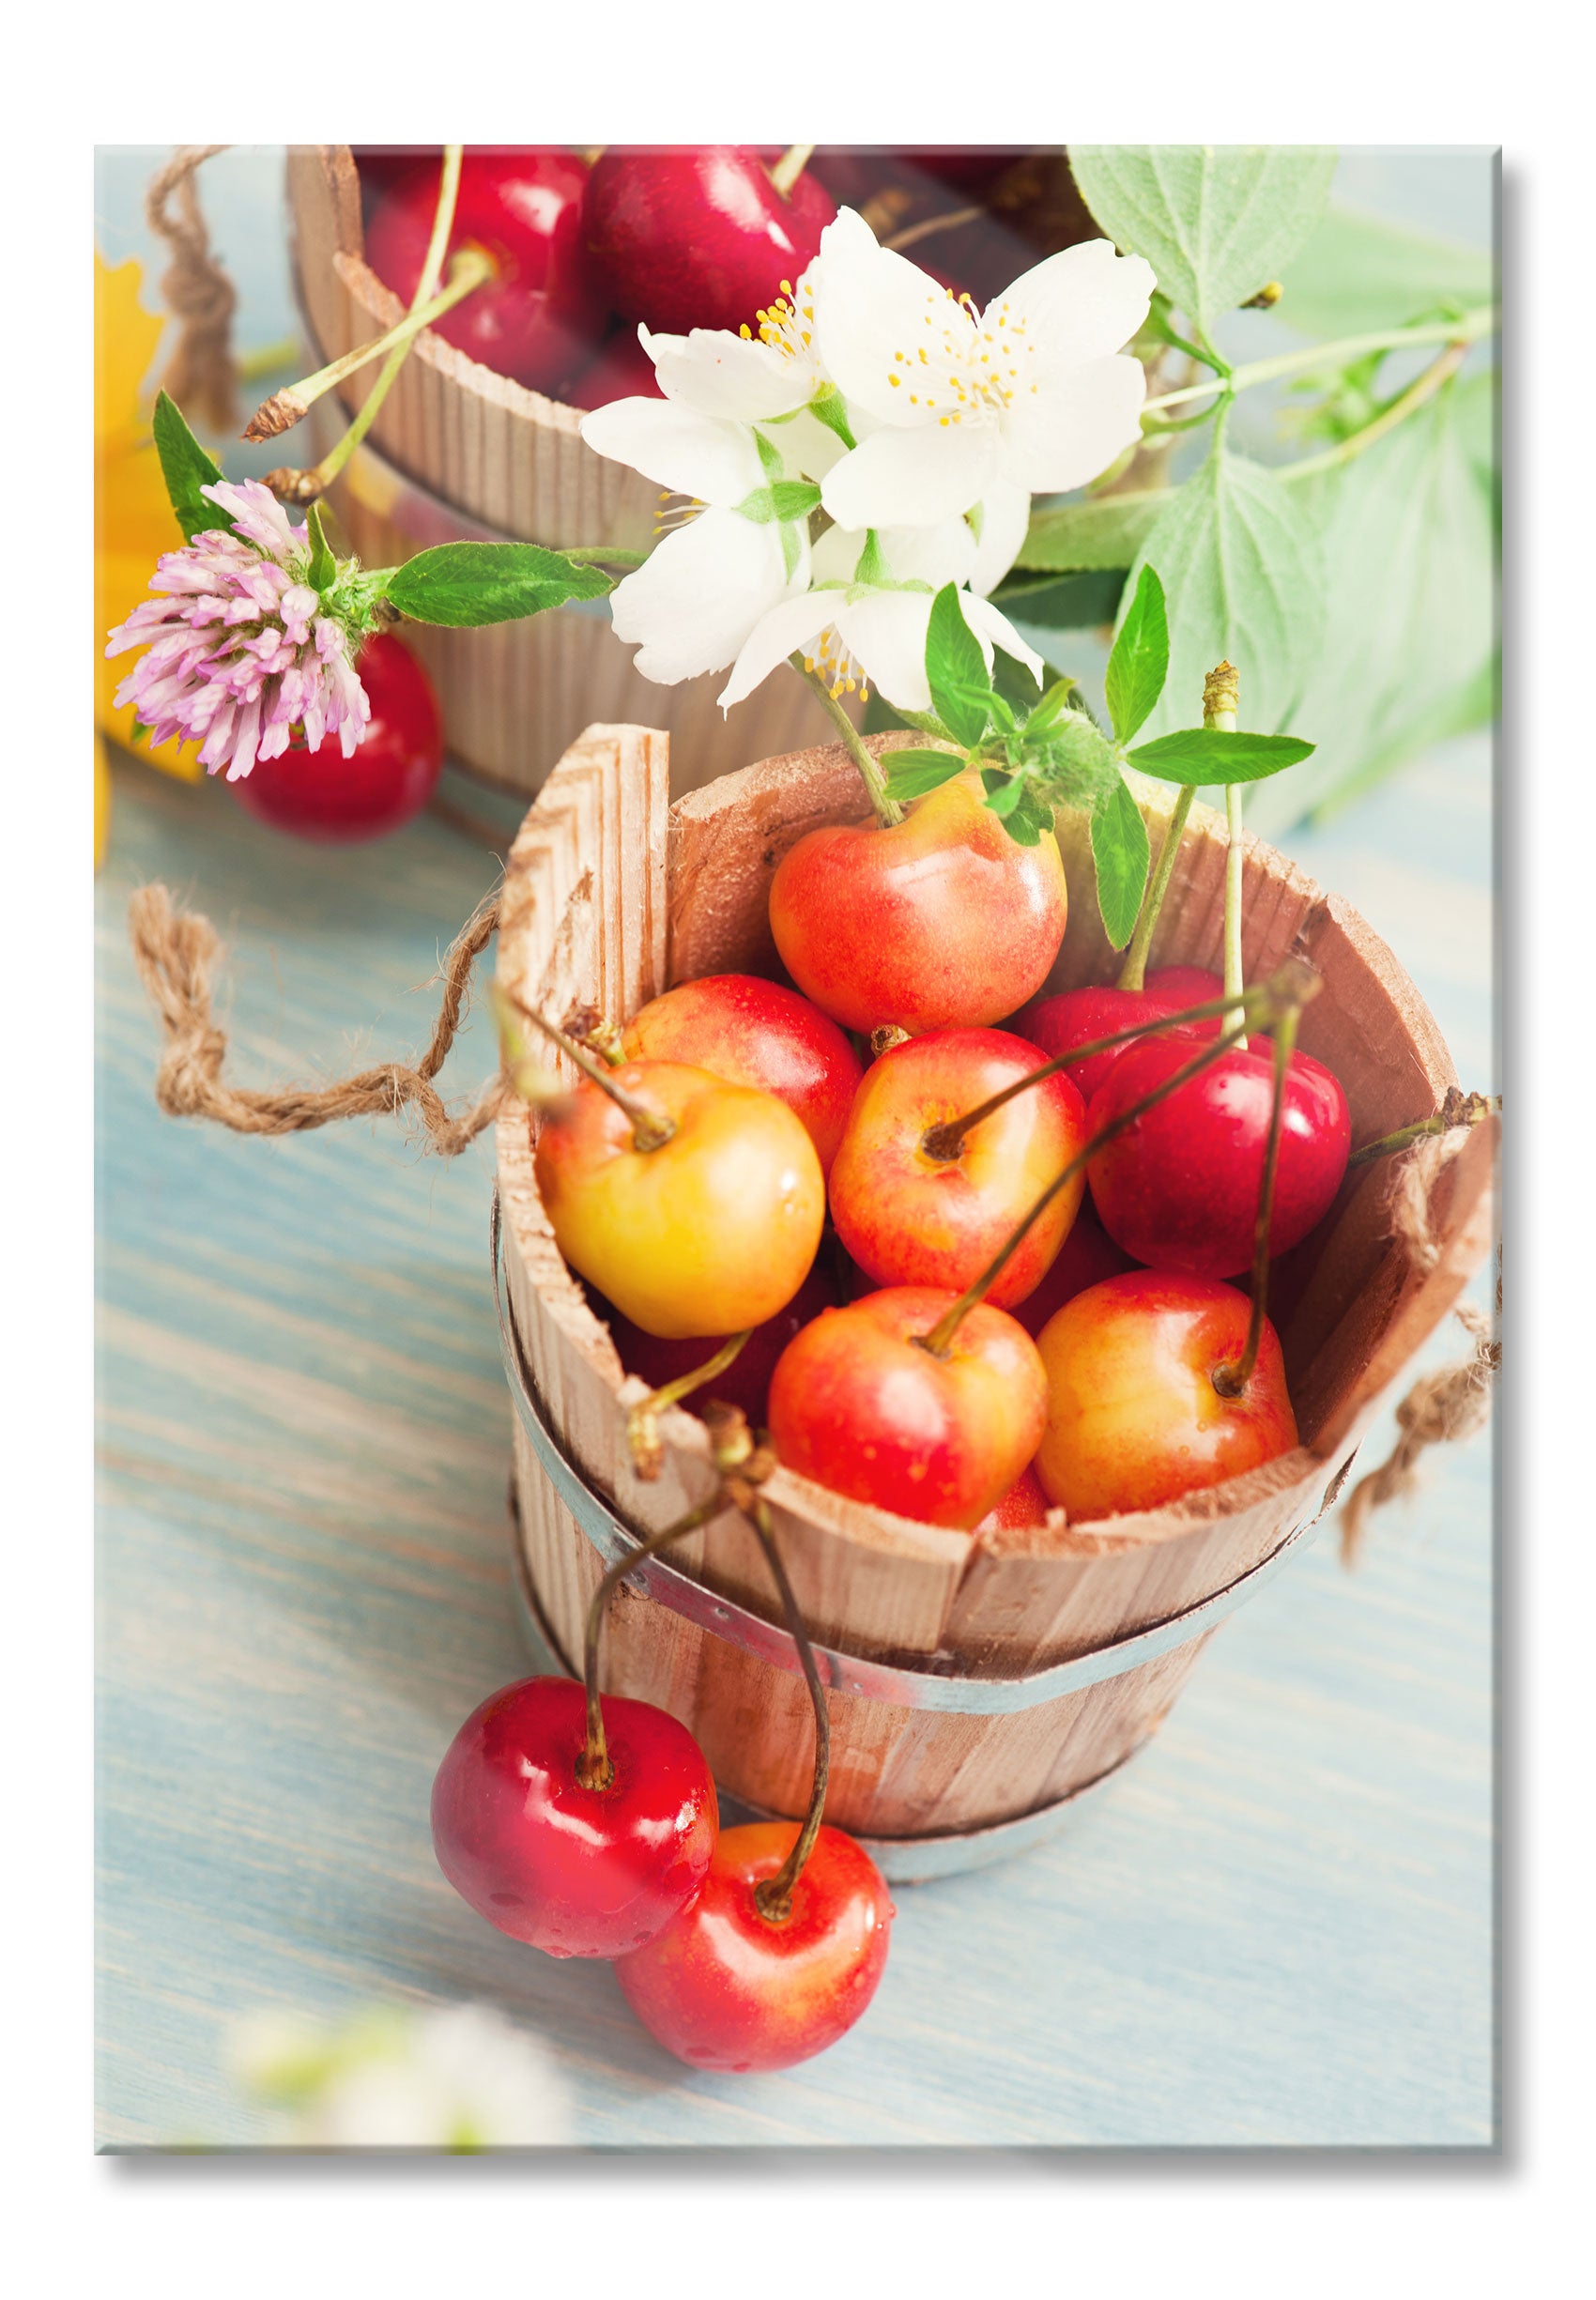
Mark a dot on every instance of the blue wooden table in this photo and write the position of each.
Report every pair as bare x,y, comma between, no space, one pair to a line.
1275,1928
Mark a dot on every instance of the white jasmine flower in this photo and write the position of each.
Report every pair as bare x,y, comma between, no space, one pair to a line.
457,2078
739,546
865,621
1034,392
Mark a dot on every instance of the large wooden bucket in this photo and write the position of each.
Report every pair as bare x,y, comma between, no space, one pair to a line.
459,453
977,1684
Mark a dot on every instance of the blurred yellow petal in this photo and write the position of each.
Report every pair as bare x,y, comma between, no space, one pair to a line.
101,801
125,338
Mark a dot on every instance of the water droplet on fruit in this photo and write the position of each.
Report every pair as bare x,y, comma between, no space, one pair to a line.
640,1940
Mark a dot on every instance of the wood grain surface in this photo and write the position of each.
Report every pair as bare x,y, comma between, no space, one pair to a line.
1276,1927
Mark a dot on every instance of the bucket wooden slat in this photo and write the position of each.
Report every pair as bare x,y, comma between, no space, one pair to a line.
688,896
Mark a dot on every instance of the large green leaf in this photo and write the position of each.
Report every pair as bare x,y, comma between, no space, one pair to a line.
464,584
1243,570
186,467
1107,532
1409,535
1356,274
1215,220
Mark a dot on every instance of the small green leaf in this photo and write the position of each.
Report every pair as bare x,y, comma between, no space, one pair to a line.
1140,662
463,584
1105,533
1199,754
910,773
186,467
1217,222
956,670
1023,827
788,498
1120,855
1004,792
829,407
322,568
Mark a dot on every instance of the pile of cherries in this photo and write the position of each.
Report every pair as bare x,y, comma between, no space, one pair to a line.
685,237
872,1187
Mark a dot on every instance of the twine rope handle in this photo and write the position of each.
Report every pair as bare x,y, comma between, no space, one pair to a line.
201,374
1443,1407
176,950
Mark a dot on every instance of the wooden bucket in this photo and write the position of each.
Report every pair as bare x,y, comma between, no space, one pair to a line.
459,453
978,1684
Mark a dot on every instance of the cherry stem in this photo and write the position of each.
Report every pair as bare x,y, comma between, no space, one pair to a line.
941,1336
1458,1110
327,470
912,232
773,1898
789,168
651,1128
888,813
1231,1380
1133,973
642,1419
1222,696
468,269
945,1142
593,1767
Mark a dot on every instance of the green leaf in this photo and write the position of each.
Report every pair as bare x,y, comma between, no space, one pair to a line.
1215,220
186,467
1410,546
788,498
956,670
1199,754
1356,274
910,773
1105,533
1245,569
1024,828
1120,856
1140,662
1062,696
1004,792
322,568
463,584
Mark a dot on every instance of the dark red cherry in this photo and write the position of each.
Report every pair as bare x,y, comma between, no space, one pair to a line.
320,795
746,1382
580,1872
622,370
1178,1190
1179,987
723,1987
698,237
543,312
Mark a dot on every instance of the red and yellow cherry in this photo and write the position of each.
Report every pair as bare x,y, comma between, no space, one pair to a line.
757,1034
858,1405
697,236
910,1218
722,1986
943,921
1087,1256
314,792
1180,1187
577,1871
543,312
1134,1420
746,1382
622,370
1024,1504
714,1229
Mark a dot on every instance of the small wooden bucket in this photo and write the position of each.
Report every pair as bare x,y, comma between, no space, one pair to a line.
978,1684
459,453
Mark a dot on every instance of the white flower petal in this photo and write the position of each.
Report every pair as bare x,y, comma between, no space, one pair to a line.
871,306
1081,304
792,624
935,555
1004,515
993,628
912,478
1074,425
694,598
885,632
679,447
725,375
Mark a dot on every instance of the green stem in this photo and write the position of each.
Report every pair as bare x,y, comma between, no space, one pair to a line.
1231,1381
888,812
1234,855
651,1128
1133,973
1468,329
593,1767
1422,388
642,1419
773,1898
1459,1110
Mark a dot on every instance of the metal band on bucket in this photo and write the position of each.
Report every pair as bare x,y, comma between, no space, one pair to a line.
930,1687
